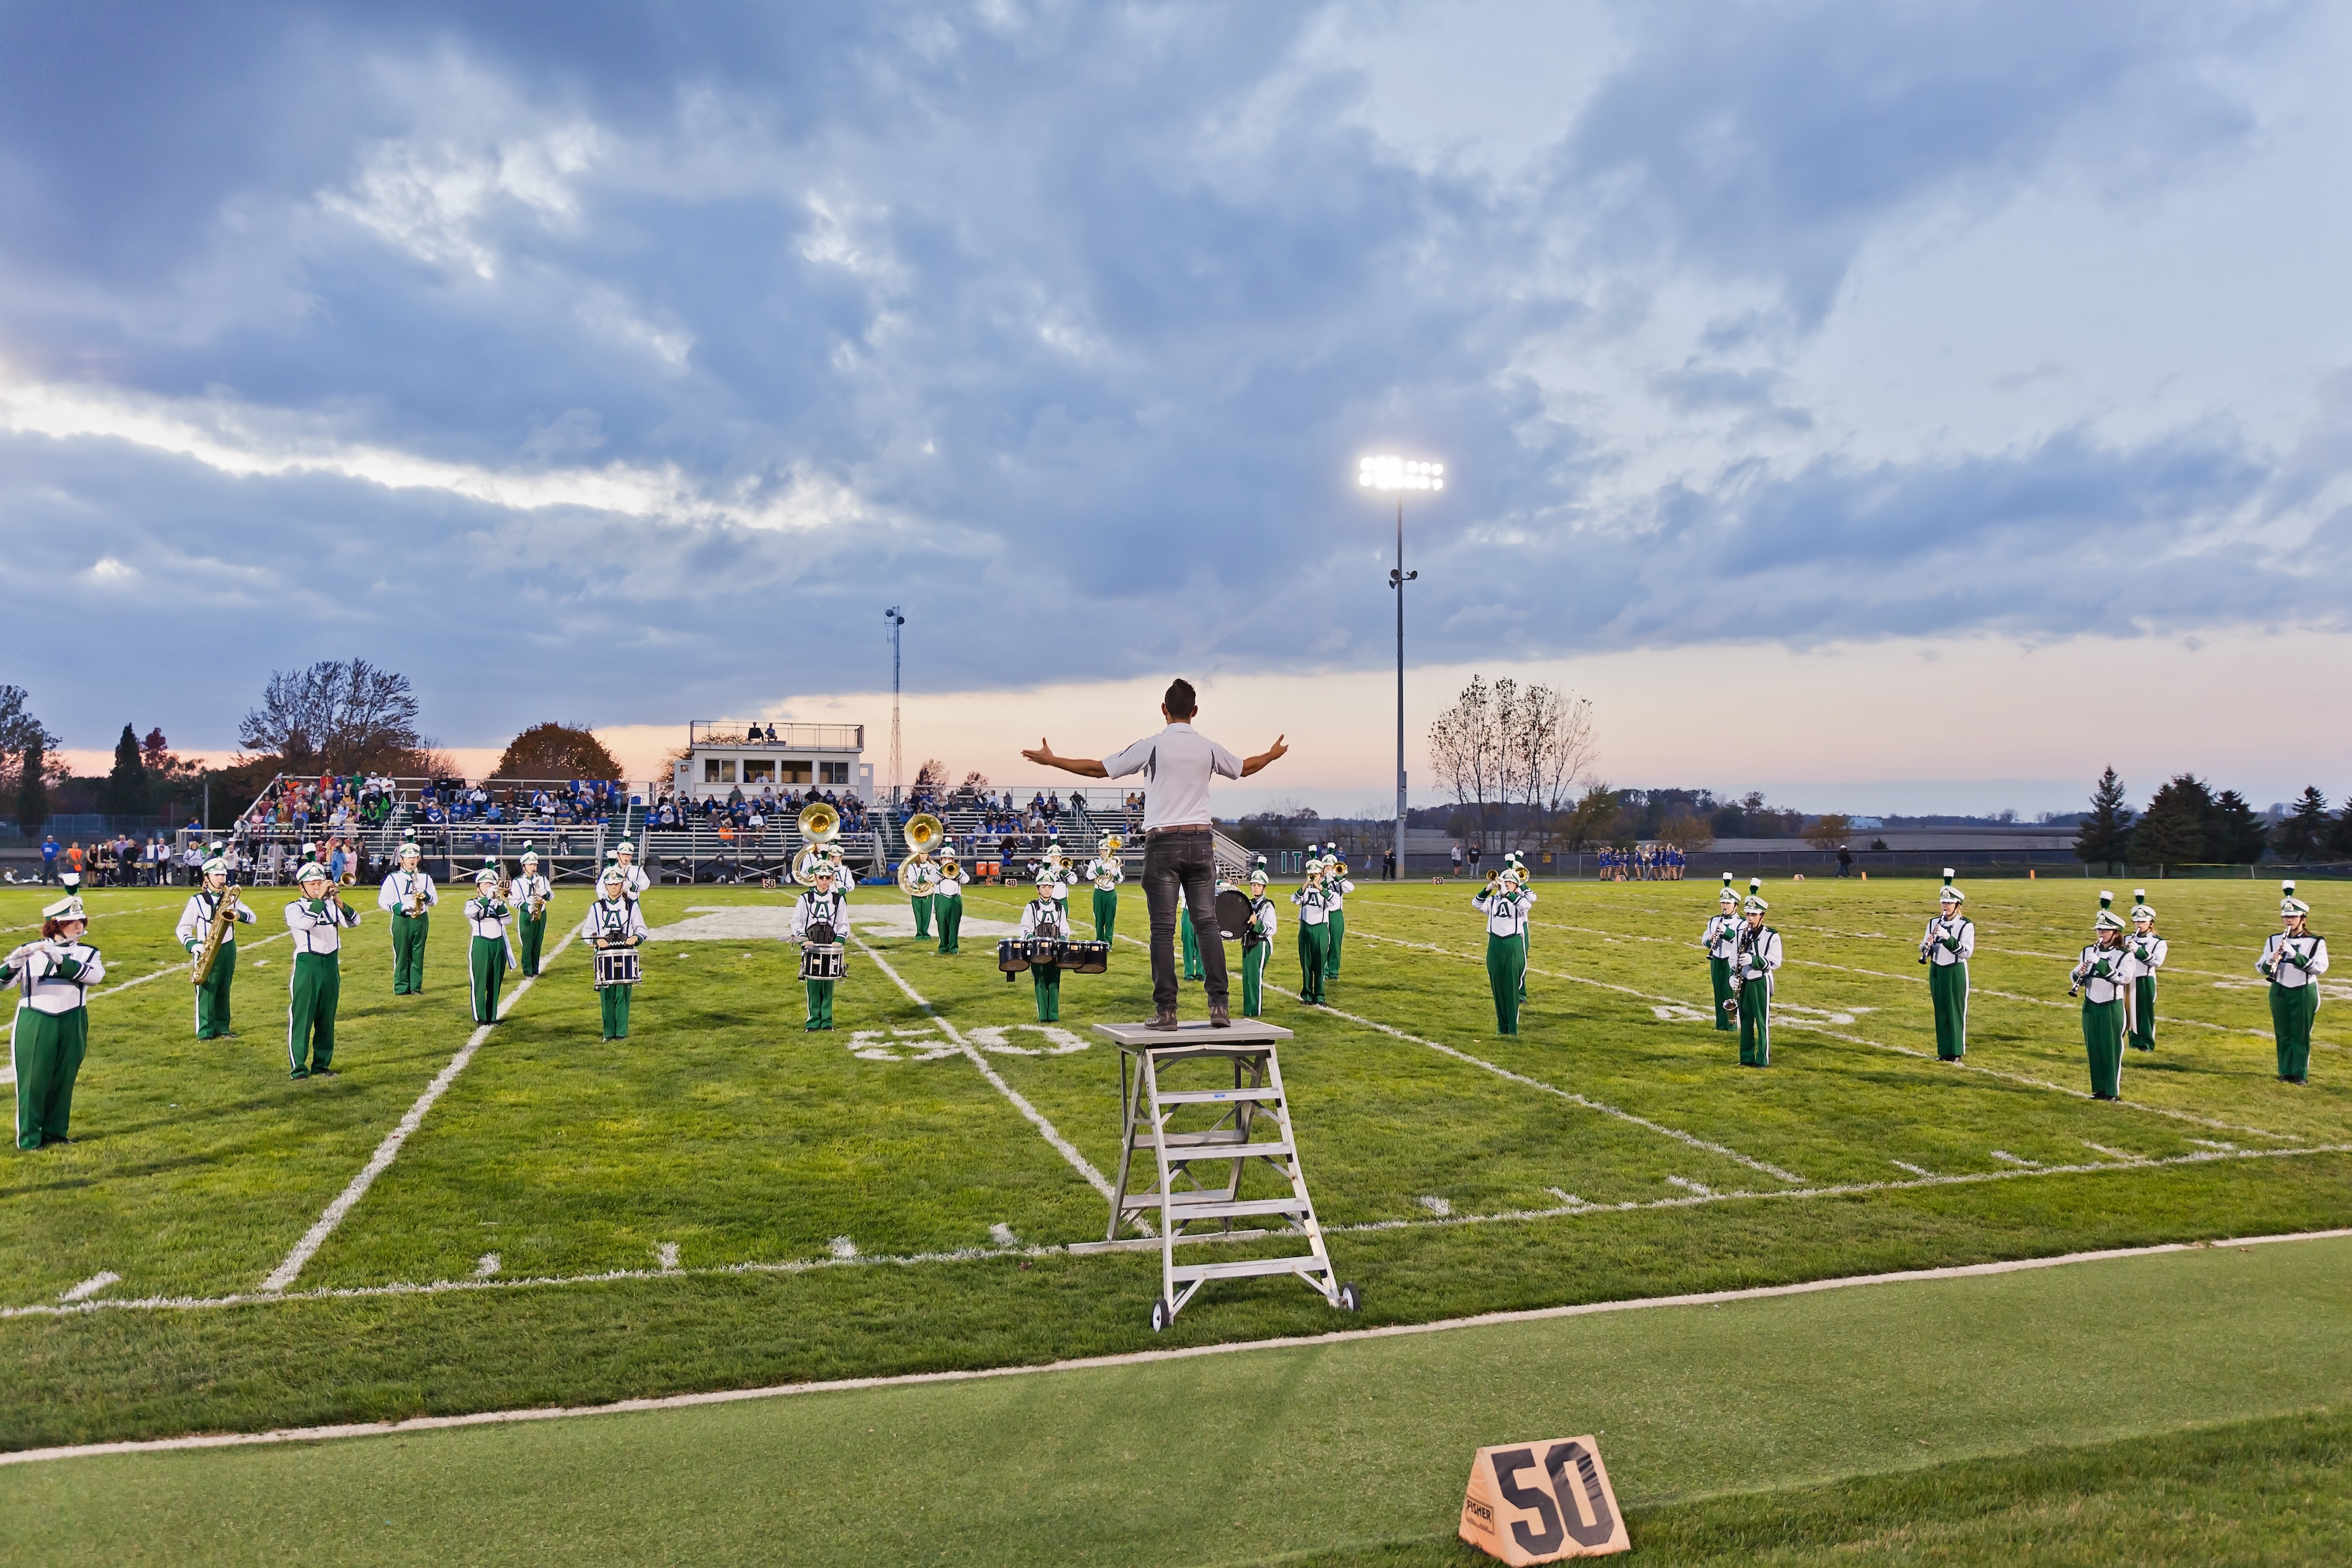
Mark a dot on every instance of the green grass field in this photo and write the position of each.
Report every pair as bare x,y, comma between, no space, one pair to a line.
724,1201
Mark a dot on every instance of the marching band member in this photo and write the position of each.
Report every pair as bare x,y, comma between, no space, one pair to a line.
410,895
922,876
2293,961
2144,955
532,890
2102,976
487,917
1336,889
195,925
1192,968
1314,913
1511,861
314,988
820,919
53,978
1950,942
634,880
1105,873
1754,958
1721,939
1048,915
947,902
1505,906
614,921
1257,943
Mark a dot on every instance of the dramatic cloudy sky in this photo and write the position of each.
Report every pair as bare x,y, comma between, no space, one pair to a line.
1926,402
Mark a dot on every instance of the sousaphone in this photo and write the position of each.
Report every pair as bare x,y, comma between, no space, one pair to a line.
820,824
924,833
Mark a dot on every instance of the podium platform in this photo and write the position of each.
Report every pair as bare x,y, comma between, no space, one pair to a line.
1171,1077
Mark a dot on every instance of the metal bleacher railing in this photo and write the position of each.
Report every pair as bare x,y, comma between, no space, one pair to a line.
571,841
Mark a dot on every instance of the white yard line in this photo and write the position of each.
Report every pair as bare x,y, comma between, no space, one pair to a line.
1571,1206
96,915
1036,1118
1144,1358
386,1151
1787,1023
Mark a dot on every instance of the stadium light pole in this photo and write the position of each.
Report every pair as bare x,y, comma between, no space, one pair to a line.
895,620
1388,472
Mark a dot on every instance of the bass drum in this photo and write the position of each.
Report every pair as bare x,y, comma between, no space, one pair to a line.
1233,914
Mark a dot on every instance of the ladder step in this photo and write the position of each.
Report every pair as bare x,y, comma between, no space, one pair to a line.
1304,1262
1219,1209
1215,1096
1225,1146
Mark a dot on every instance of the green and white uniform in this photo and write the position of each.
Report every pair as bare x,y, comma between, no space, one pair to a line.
530,935
822,917
488,950
1721,940
1314,934
1105,873
314,987
613,922
1336,889
2103,974
408,931
1950,942
212,996
1047,915
2293,966
922,882
2144,955
1192,968
52,1036
946,903
1258,946
1754,959
1507,907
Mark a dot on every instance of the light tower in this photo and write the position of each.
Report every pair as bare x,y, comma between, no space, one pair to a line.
1387,472
894,620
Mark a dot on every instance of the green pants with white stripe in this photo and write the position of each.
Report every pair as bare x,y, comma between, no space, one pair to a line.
485,966
950,913
1718,973
408,952
820,1004
1106,914
1947,986
613,1003
212,996
2293,1008
1506,965
922,907
1192,969
2103,1044
1253,956
530,935
312,992
46,1054
1310,961
1756,1024
2143,1016
1335,932
1047,978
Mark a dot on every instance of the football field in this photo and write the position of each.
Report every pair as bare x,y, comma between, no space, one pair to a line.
479,1220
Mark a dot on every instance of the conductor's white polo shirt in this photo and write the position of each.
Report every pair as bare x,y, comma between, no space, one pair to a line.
1177,764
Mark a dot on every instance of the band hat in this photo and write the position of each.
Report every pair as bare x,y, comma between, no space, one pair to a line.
1258,877
1754,904
66,909
2107,920
1730,895
215,867
613,875
530,856
486,878
1948,894
69,878
309,869
2290,904
2141,909
407,846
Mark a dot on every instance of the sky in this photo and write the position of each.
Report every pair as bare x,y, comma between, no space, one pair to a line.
1892,407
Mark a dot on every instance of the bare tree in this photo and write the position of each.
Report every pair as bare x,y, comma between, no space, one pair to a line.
1556,749
338,714
1466,748
1829,829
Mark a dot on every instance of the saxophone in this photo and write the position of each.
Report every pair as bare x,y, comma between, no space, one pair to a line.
216,934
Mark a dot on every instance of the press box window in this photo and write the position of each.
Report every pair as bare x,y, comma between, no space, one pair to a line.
757,772
796,772
833,773
718,771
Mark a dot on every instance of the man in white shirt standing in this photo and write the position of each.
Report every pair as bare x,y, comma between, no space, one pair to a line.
1179,848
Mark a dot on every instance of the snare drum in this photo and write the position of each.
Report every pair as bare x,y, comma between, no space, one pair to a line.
1012,956
1086,957
617,966
824,960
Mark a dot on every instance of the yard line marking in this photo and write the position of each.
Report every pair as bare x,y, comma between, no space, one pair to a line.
1906,1165
665,1256
2111,1153
1574,1207
1062,1145
843,1247
486,1264
1690,1186
1001,1233
1782,1023
177,967
2016,1158
1437,1206
1143,1358
92,1286
386,1151
97,915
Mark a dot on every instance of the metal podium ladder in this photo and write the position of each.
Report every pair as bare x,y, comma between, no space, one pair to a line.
1236,1133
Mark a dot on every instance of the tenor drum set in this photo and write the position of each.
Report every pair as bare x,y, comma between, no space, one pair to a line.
1015,954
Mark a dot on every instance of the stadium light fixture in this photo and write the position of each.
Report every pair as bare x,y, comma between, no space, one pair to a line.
1388,472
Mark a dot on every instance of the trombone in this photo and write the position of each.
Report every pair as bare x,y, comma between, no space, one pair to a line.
820,824
924,833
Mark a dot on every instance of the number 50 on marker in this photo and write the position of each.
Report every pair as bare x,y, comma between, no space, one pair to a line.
1542,1502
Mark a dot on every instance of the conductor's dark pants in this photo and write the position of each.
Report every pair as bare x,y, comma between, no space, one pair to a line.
1186,858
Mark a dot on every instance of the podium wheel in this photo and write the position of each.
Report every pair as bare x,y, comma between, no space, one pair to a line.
1351,1299
1162,1314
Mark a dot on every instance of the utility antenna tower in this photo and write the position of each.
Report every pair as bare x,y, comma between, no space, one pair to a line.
895,620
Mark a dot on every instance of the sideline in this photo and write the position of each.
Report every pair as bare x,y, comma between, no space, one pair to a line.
386,1151
1144,1358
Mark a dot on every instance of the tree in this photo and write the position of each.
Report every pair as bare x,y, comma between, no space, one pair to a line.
124,792
33,790
1828,830
1552,748
346,716
1685,832
2234,834
1591,816
26,741
2105,837
976,781
931,778
552,750
1466,748
2173,829
2303,835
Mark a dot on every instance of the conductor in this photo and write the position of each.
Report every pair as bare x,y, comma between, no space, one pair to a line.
1178,847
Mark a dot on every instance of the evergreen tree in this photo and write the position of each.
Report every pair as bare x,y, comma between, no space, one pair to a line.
2105,837
2338,843
124,793
2235,836
2172,830
2303,835
33,791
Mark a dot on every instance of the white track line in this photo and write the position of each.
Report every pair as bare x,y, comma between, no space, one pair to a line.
1571,1207
1062,1145
1144,1358
92,1286
389,1149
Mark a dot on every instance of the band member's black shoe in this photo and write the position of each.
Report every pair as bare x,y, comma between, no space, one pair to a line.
1165,1022
326,1072
1219,1018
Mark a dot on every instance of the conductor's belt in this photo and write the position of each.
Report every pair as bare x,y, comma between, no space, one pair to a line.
1201,828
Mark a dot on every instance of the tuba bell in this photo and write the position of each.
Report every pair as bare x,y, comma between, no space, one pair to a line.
924,833
820,824
1110,845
